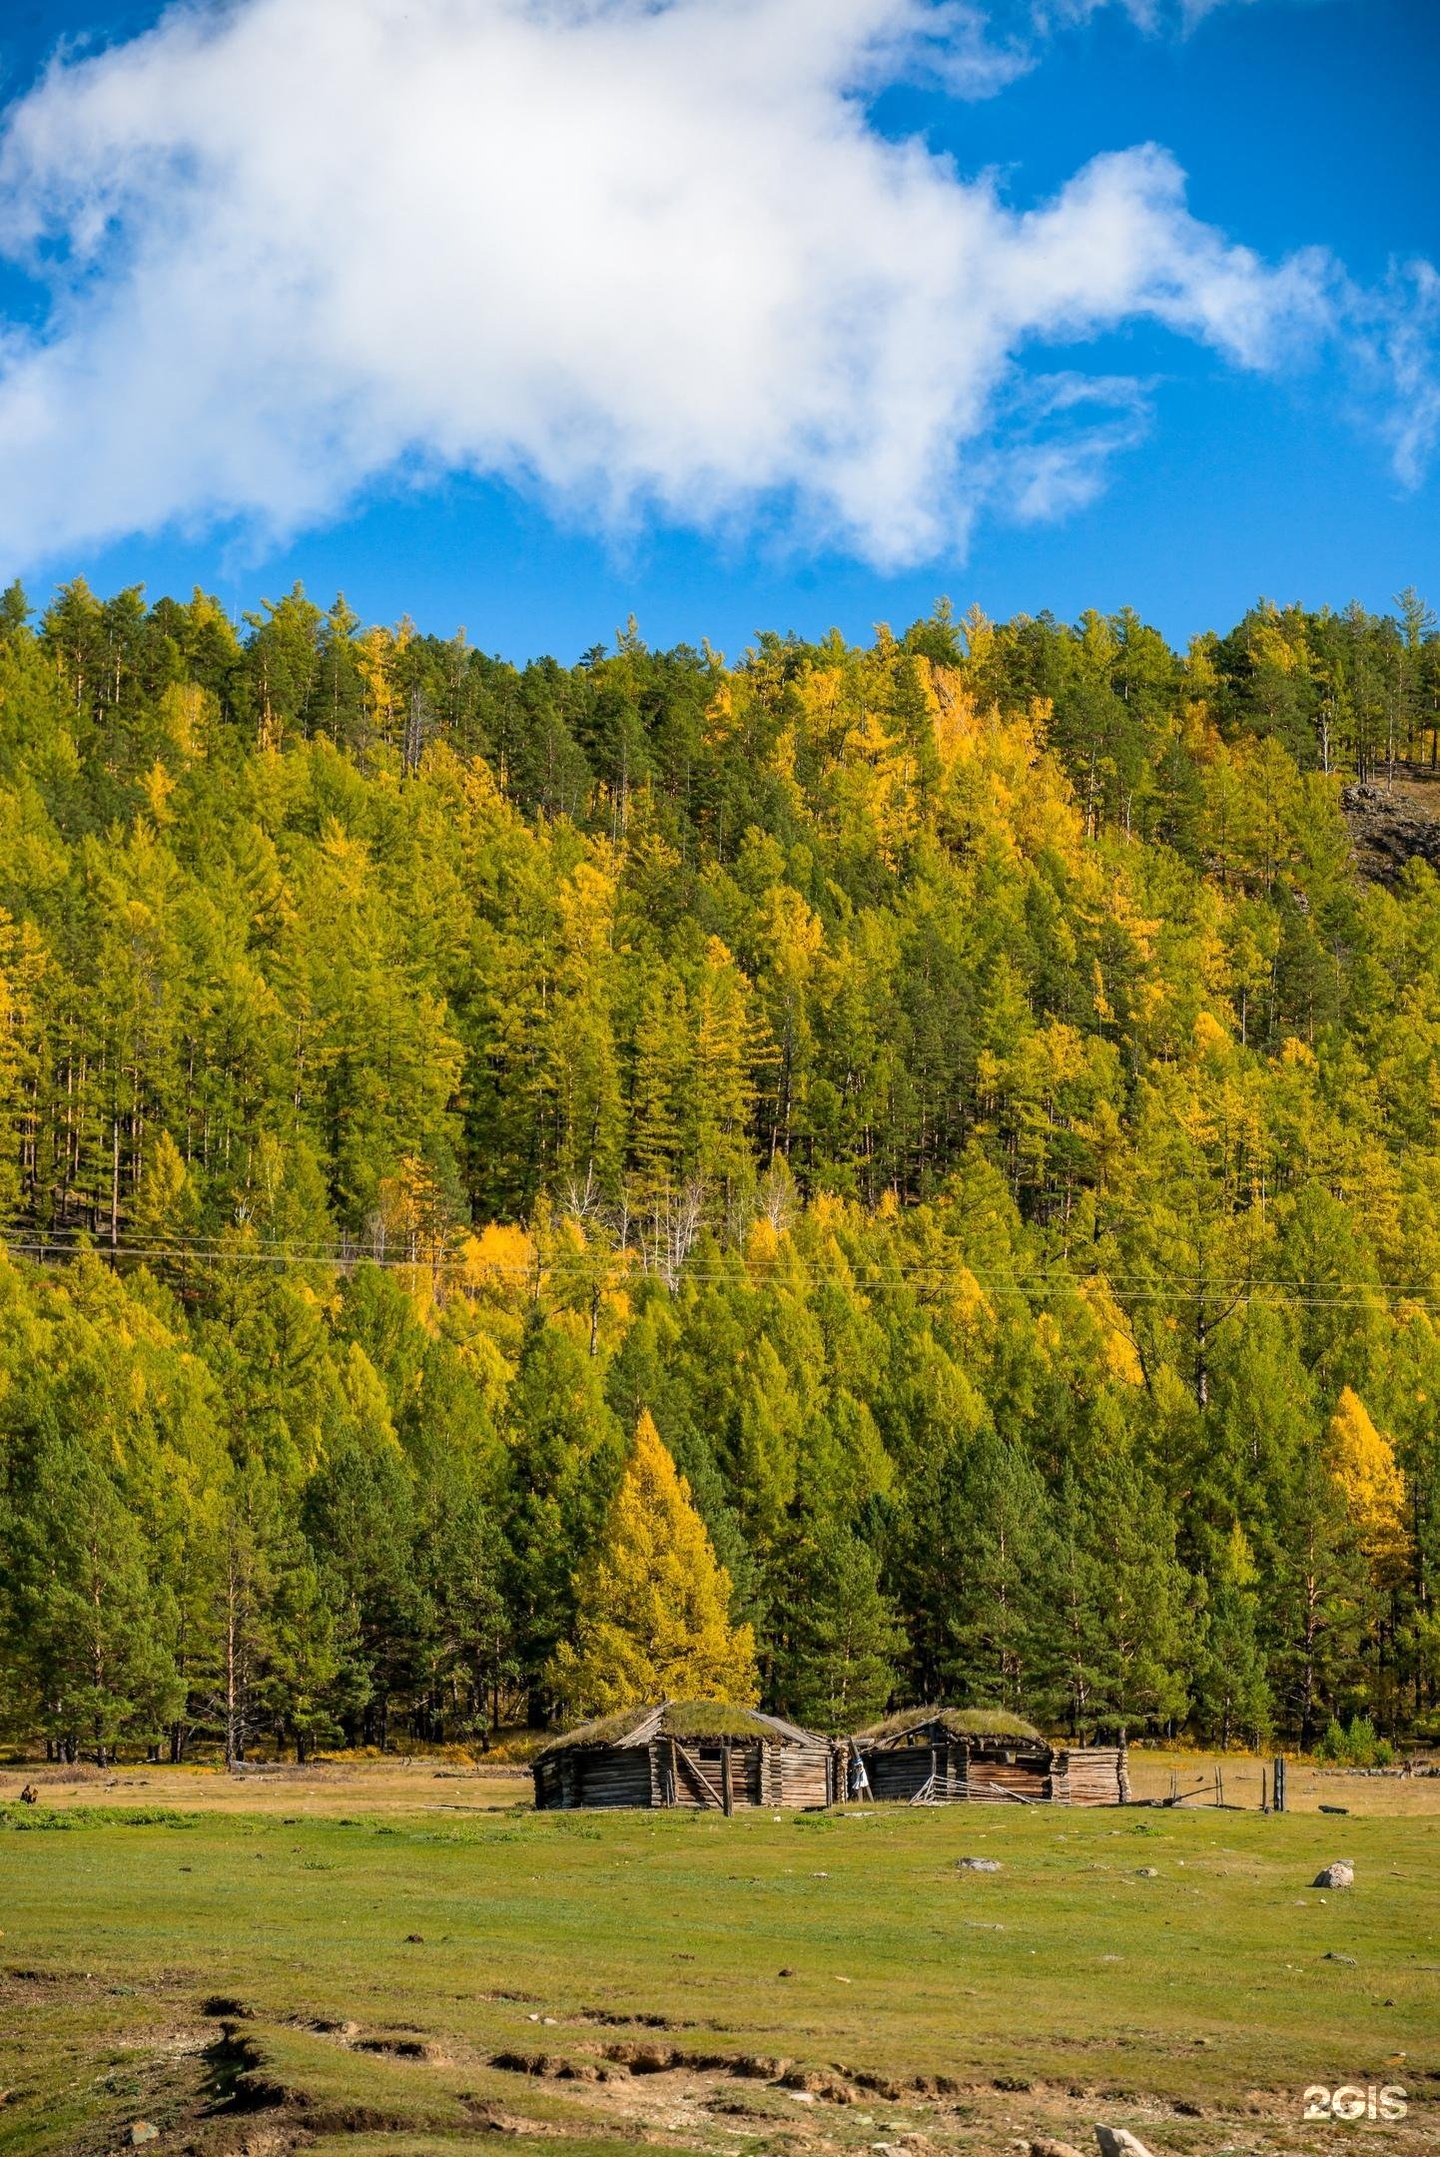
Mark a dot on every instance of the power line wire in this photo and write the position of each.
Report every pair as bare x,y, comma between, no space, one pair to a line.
1164,1286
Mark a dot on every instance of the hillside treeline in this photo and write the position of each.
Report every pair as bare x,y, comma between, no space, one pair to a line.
960,1088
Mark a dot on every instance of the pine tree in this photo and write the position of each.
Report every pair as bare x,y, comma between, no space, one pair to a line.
661,1069
470,1651
94,1633
1320,1596
305,1654
163,1211
841,1667
566,1459
998,1524
654,1604
15,611
721,1094
360,1515
1116,1606
1141,1596
1232,1697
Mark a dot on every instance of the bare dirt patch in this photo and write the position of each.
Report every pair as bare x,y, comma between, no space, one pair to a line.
318,1790
1399,1791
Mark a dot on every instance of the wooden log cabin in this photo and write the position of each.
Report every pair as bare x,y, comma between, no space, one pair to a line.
705,1754
957,1756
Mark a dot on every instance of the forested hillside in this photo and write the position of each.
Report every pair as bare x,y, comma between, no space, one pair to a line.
961,1088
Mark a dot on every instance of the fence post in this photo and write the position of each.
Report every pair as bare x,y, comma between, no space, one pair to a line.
1280,1784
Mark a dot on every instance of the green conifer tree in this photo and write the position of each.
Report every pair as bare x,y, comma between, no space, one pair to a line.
842,1660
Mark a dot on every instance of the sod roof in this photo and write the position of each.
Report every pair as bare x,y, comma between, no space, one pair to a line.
954,1722
683,1719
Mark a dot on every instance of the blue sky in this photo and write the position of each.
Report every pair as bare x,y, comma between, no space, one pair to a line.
537,397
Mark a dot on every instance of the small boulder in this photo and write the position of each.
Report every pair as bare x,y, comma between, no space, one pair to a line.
1340,1874
1348,1960
1119,2142
1149,1872
1046,2147
142,2131
978,1864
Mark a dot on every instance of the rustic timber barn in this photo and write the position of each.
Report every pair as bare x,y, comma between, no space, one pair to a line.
686,1752
950,1756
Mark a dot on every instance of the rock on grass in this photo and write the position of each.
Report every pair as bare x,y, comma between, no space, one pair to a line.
1119,2142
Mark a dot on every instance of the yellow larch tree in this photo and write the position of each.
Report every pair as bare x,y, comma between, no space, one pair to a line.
376,655
654,1602
1364,1465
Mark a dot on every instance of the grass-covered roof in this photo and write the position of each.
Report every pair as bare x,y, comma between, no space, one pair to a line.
682,1719
955,1722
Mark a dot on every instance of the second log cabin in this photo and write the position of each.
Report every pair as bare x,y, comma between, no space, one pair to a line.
956,1756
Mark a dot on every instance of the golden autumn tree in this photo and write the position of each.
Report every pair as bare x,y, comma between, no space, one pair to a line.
1364,1465
654,1602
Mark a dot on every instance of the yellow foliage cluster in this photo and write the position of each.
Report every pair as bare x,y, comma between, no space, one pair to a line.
499,1258
1122,1359
654,1602
1363,1463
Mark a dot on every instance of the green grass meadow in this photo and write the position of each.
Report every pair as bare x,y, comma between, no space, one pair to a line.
248,1983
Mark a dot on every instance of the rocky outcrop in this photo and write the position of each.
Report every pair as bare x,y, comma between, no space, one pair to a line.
1390,827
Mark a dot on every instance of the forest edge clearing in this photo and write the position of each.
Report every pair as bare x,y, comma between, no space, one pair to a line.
417,1783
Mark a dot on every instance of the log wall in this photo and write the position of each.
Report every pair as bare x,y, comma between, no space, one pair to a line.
804,1778
898,1776
762,1773
699,1772
1000,1782
620,1776
976,1775
1088,1775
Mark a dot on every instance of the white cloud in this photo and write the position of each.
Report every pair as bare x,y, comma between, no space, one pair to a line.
1061,432
643,257
1154,16
1397,338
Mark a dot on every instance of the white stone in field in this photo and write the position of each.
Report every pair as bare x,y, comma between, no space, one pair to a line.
1119,2142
